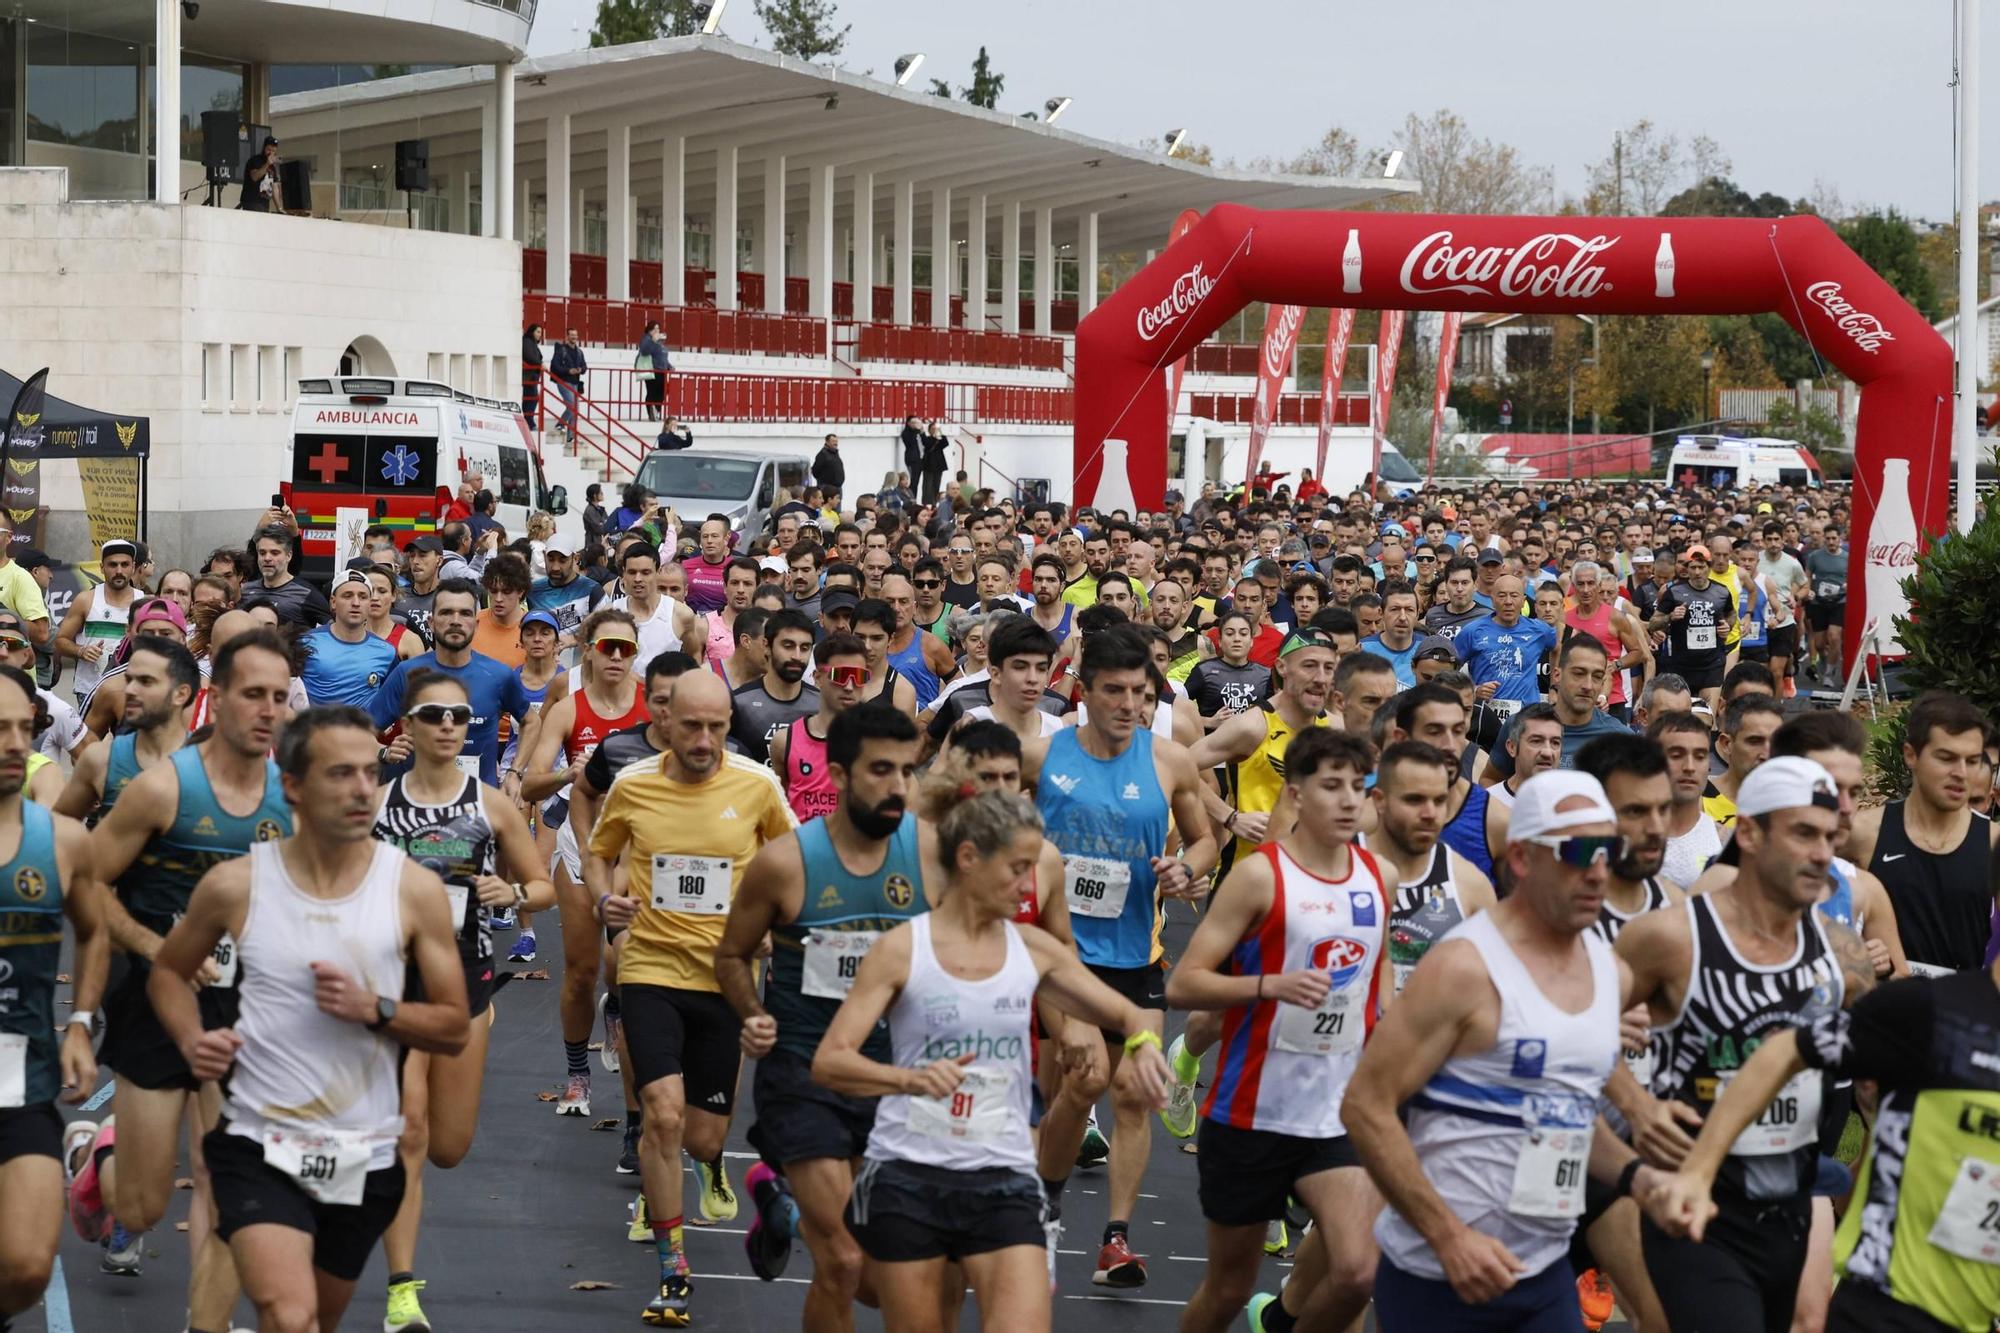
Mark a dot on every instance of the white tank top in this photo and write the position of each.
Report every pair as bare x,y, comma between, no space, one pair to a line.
1163,717
939,1016
298,1068
1504,1135
1689,854
656,635
104,626
1050,723
1284,1068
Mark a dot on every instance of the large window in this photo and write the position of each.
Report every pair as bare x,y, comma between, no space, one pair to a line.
83,94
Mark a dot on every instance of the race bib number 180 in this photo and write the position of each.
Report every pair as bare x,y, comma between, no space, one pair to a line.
696,885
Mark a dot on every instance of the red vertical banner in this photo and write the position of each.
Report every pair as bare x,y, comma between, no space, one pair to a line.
1177,370
1447,357
1387,344
1338,330
1274,362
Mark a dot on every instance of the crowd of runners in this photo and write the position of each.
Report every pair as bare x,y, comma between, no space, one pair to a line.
1550,941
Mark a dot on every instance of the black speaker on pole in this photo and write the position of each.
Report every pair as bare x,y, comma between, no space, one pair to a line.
220,145
295,178
413,165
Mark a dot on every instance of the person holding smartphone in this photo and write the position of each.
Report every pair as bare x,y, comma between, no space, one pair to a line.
261,193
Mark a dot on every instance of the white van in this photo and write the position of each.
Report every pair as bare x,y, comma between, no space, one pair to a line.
393,452
1729,462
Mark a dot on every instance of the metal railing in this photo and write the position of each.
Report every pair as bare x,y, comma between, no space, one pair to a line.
819,400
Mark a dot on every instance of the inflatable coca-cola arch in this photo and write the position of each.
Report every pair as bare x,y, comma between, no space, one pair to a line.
1794,266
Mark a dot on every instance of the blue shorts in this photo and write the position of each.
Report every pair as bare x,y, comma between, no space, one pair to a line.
1544,1303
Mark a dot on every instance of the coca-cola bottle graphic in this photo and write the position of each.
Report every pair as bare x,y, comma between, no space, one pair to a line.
1350,263
1663,267
1891,556
1114,484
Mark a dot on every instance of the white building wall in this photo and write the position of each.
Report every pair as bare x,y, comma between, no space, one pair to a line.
204,319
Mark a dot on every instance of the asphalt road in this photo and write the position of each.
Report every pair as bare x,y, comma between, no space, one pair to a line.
537,1207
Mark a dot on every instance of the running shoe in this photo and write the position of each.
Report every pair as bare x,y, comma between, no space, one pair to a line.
773,1223
1259,1303
1276,1237
669,1309
575,1099
501,918
88,1212
628,1156
607,1054
1118,1267
1178,1114
1593,1296
122,1252
404,1314
718,1200
77,1135
1095,1148
524,948
638,1227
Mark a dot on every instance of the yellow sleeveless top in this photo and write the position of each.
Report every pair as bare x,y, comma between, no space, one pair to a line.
1260,778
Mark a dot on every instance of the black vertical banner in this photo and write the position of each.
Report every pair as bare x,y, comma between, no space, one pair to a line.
21,461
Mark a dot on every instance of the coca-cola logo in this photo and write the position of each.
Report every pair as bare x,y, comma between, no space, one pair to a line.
1278,342
1190,290
1556,263
1864,328
1896,554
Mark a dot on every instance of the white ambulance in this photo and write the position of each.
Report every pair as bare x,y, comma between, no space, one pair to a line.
1729,462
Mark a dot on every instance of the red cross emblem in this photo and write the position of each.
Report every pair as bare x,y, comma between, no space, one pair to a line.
327,463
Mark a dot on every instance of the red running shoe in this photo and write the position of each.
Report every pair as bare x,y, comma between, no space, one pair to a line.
1118,1267
1593,1295
88,1212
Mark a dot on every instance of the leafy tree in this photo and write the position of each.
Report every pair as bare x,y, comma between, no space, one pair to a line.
1338,153
1647,167
986,85
1653,364
939,88
1815,428
802,28
388,71
1460,173
623,21
1887,243
1720,197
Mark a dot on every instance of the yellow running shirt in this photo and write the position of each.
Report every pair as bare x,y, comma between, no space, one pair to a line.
1260,779
686,847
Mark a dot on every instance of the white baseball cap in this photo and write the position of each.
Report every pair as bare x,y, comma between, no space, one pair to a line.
1786,783
557,544
1547,804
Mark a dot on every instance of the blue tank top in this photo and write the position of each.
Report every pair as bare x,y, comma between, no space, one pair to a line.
838,900
1112,809
1839,905
1756,632
157,887
1466,833
910,662
120,767
31,936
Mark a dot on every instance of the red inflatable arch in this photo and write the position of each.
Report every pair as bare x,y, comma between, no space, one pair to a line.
1795,266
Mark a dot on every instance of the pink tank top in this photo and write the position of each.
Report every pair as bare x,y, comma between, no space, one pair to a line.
1598,626
808,786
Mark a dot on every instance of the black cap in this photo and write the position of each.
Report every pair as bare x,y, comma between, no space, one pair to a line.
840,599
32,559
428,543
1435,648
1490,555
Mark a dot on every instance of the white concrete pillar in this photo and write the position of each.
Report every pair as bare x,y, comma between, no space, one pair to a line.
943,257
725,227
1086,260
489,169
773,223
461,202
561,200
975,262
1045,269
166,108
524,195
906,249
673,220
500,202
1010,266
618,213
819,240
865,267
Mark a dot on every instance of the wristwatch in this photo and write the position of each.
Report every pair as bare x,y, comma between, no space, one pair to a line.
385,1013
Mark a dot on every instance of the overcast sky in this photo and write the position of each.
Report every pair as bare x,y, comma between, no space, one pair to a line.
1852,93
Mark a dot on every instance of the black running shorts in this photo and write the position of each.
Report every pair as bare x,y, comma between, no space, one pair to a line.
250,1192
798,1120
1246,1174
692,1033
902,1212
1744,1276
1145,987
135,1046
31,1131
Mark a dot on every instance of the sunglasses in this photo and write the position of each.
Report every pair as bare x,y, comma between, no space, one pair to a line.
927,583
436,715
12,641
1582,852
1427,560
615,649
848,677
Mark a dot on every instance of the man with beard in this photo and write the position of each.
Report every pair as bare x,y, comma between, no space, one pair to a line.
802,591
1581,670
96,619
1080,586
686,828
767,706
161,681
1051,610
798,749
1533,744
821,895
1169,611
413,608
492,689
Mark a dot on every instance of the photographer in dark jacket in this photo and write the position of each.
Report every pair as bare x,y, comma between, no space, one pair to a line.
676,435
568,369
913,447
935,445
828,469
531,375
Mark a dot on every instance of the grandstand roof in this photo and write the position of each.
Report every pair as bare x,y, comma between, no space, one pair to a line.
716,92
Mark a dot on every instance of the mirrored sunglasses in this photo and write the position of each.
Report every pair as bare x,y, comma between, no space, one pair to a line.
1583,852
436,715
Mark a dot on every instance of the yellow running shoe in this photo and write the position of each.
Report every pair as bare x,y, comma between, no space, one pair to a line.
639,1228
404,1314
718,1200
1276,1237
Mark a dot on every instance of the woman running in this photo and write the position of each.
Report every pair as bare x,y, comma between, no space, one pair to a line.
381,601
542,676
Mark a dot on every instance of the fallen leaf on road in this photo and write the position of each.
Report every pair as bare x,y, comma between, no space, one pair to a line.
609,1122
545,1096
184,1183
597,1046
592,1284
62,978
539,974
180,1226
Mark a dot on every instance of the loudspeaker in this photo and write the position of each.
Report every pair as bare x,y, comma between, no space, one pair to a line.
413,165
296,180
221,155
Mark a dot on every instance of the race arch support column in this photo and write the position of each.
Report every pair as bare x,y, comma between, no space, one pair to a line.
1796,267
